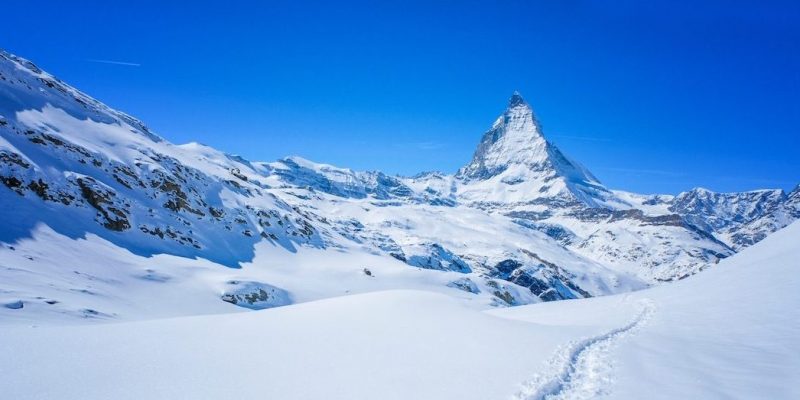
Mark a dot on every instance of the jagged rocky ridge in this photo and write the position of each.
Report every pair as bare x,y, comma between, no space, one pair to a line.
519,212
738,219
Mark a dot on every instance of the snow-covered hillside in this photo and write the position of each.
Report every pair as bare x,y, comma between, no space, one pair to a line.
731,332
739,219
105,220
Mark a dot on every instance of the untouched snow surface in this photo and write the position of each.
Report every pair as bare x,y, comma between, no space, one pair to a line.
386,345
730,332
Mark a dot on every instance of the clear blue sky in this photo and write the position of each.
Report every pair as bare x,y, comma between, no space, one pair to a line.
652,98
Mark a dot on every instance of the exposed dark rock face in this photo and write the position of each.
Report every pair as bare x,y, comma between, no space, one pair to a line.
434,256
465,284
506,267
114,216
503,293
544,279
608,215
255,295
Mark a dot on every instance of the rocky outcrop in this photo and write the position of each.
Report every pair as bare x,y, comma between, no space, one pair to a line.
255,295
434,256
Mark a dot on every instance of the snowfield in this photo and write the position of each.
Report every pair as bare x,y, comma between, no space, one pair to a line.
730,332
387,345
91,280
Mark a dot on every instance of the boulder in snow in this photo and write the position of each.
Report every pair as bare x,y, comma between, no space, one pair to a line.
255,295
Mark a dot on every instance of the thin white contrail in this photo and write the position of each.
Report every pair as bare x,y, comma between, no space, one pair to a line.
129,64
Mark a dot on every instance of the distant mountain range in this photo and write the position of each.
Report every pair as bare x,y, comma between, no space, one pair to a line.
520,223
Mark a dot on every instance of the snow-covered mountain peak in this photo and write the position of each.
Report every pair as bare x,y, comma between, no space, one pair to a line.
514,152
517,100
57,99
514,138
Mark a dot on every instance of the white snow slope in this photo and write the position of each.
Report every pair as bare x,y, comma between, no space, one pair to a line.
730,332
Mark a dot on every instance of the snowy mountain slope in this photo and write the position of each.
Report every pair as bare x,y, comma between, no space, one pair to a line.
757,338
655,248
81,167
691,339
60,280
738,219
463,239
302,173
730,332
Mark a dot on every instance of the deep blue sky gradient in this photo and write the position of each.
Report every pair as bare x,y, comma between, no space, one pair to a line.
654,98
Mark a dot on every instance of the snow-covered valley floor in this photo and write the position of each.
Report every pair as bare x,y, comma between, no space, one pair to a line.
730,332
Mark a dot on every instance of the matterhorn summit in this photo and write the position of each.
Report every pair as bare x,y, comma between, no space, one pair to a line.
514,152
515,138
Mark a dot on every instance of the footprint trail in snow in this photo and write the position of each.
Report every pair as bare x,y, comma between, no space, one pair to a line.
582,370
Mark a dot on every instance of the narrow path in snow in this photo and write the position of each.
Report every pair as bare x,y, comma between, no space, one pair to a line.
582,370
